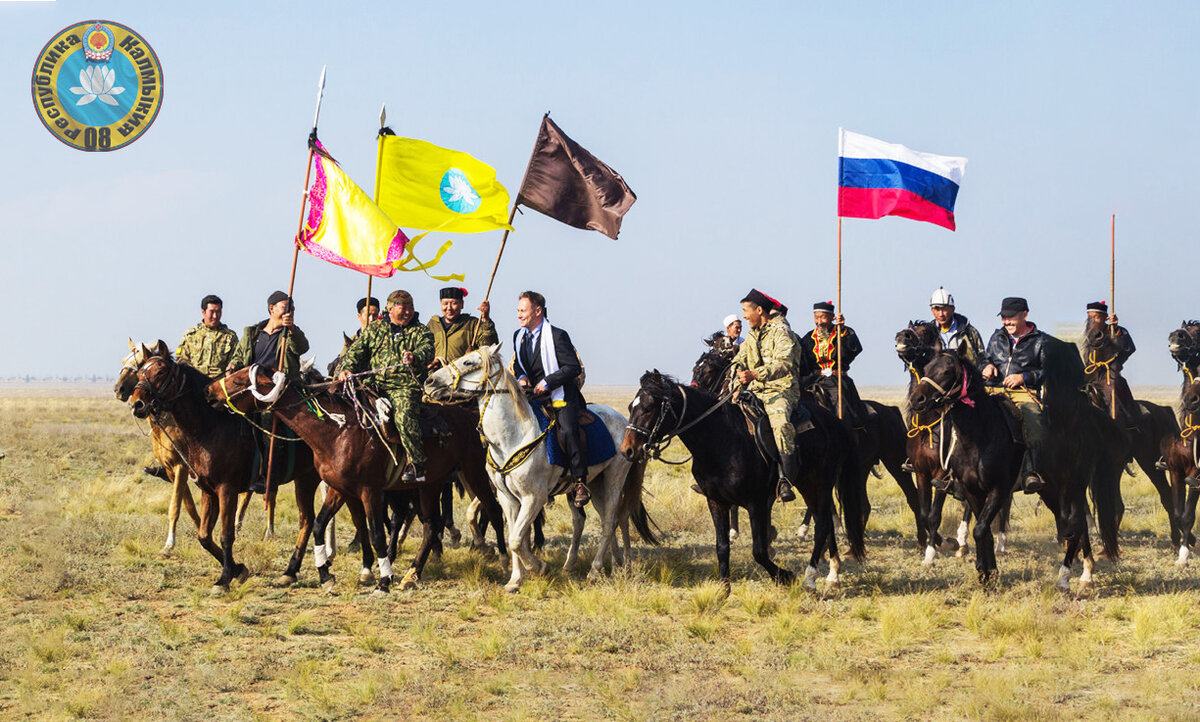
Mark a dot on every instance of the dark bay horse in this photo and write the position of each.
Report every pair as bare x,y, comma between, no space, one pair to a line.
1184,345
1148,426
220,451
1084,449
727,464
356,463
916,346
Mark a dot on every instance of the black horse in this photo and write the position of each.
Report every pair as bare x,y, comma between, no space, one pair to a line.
1181,455
1084,449
731,470
916,346
1184,344
1148,426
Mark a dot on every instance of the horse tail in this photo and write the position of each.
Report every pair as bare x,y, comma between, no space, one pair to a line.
632,506
852,495
1106,500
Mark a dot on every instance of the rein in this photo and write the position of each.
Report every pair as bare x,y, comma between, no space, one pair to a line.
1094,363
656,447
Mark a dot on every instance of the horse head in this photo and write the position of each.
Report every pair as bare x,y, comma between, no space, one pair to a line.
1189,400
468,376
946,378
156,380
1184,342
246,390
710,371
916,344
1098,337
647,413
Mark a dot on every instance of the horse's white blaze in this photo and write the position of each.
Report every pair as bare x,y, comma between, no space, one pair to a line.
802,532
962,533
320,556
930,555
835,566
635,402
1086,577
1184,553
1064,578
1001,542
385,568
810,577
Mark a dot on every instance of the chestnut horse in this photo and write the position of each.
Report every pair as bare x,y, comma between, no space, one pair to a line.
360,466
220,451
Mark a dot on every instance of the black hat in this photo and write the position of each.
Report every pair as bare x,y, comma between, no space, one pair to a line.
364,302
1011,306
276,297
452,292
1100,306
826,306
758,298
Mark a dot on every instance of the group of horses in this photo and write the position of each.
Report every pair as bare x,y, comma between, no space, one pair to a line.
958,439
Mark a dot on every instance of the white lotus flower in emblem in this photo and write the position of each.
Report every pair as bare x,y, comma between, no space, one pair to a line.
97,82
460,191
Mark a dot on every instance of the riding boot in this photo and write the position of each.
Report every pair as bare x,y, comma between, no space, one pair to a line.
582,495
789,468
1031,480
413,474
158,471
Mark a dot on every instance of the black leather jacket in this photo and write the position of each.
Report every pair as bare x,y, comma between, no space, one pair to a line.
1027,357
1125,348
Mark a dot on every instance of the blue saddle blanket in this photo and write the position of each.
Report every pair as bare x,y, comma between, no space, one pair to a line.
600,446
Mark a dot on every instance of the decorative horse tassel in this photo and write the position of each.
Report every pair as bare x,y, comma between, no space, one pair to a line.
277,378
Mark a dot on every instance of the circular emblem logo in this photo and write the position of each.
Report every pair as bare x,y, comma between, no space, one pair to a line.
457,193
97,85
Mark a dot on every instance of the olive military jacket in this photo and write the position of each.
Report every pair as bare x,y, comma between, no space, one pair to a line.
772,353
297,343
382,345
208,350
455,342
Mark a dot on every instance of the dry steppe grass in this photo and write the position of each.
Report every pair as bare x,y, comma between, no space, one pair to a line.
99,625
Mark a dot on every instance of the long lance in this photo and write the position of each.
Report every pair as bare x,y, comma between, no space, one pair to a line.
378,171
292,285
1112,299
511,215
836,329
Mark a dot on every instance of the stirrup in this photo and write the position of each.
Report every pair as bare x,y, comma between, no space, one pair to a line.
1192,481
784,491
1033,484
1161,464
940,483
907,466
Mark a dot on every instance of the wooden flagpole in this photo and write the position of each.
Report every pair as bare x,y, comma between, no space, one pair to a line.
1112,298
292,283
836,329
512,215
378,172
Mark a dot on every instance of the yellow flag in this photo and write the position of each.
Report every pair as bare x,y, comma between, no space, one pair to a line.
425,186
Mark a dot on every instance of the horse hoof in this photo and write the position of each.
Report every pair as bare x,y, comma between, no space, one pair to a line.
1084,586
243,575
594,576
512,588
329,585
1182,561
268,535
543,567
377,593
365,577
285,580
219,590
802,532
455,536
409,582
961,552
810,579
733,534
831,586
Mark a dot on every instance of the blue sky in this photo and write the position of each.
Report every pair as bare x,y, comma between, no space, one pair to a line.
722,118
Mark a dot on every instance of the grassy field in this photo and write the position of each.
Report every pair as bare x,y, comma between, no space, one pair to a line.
99,625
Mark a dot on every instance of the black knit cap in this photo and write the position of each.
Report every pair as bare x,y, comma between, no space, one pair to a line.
758,298
1100,306
1012,305
826,306
452,292
276,297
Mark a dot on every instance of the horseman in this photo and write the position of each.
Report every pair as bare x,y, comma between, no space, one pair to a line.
455,334
398,348
768,361
368,311
822,364
208,346
547,361
954,328
1016,357
260,342
727,342
1099,317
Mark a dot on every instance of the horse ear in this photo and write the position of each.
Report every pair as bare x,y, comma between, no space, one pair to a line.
131,348
145,350
963,352
346,340
161,349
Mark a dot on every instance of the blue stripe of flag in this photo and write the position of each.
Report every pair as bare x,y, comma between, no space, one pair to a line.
882,173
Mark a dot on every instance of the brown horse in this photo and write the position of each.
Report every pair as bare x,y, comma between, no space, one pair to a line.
355,462
220,452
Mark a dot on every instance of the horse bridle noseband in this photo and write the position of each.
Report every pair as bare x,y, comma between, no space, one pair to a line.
159,400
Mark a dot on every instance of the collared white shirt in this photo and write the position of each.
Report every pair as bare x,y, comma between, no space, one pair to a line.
533,335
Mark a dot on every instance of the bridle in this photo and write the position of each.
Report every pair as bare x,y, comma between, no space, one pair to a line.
162,395
654,447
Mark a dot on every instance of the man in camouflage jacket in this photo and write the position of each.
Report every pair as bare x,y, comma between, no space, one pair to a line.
208,346
455,334
767,362
401,341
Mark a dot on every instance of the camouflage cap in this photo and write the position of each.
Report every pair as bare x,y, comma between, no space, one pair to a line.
396,298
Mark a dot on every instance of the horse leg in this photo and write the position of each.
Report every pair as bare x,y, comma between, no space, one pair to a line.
578,519
760,535
305,490
209,508
178,490
329,508
822,537
230,569
905,482
243,507
720,517
477,522
964,527
530,506
985,547
477,484
331,530
805,524
1075,530
931,510
431,517
1089,561
1161,485
607,503
448,515
376,515
733,523
362,530
1188,519
539,533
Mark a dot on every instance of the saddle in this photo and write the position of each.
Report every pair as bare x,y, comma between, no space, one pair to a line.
429,418
1012,418
759,426
585,419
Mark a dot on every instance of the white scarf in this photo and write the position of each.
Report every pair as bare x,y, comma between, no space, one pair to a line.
548,354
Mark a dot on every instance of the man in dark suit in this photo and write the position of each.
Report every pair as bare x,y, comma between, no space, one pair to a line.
548,363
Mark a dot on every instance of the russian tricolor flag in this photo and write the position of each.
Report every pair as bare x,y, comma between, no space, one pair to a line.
877,179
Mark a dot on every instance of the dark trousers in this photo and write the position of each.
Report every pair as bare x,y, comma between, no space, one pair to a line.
568,422
852,405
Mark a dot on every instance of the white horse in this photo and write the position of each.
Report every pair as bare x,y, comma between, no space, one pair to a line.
521,471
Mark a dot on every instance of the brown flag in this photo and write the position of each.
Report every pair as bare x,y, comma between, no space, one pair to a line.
571,185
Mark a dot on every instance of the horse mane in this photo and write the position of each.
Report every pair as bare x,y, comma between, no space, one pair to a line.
1063,379
509,382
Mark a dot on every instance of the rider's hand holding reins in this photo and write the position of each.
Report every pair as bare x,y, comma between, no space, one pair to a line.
745,376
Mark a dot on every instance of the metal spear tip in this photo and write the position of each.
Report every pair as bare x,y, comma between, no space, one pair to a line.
321,85
382,115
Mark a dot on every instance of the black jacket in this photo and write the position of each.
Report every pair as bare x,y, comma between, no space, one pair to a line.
1125,348
568,365
1027,357
811,365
